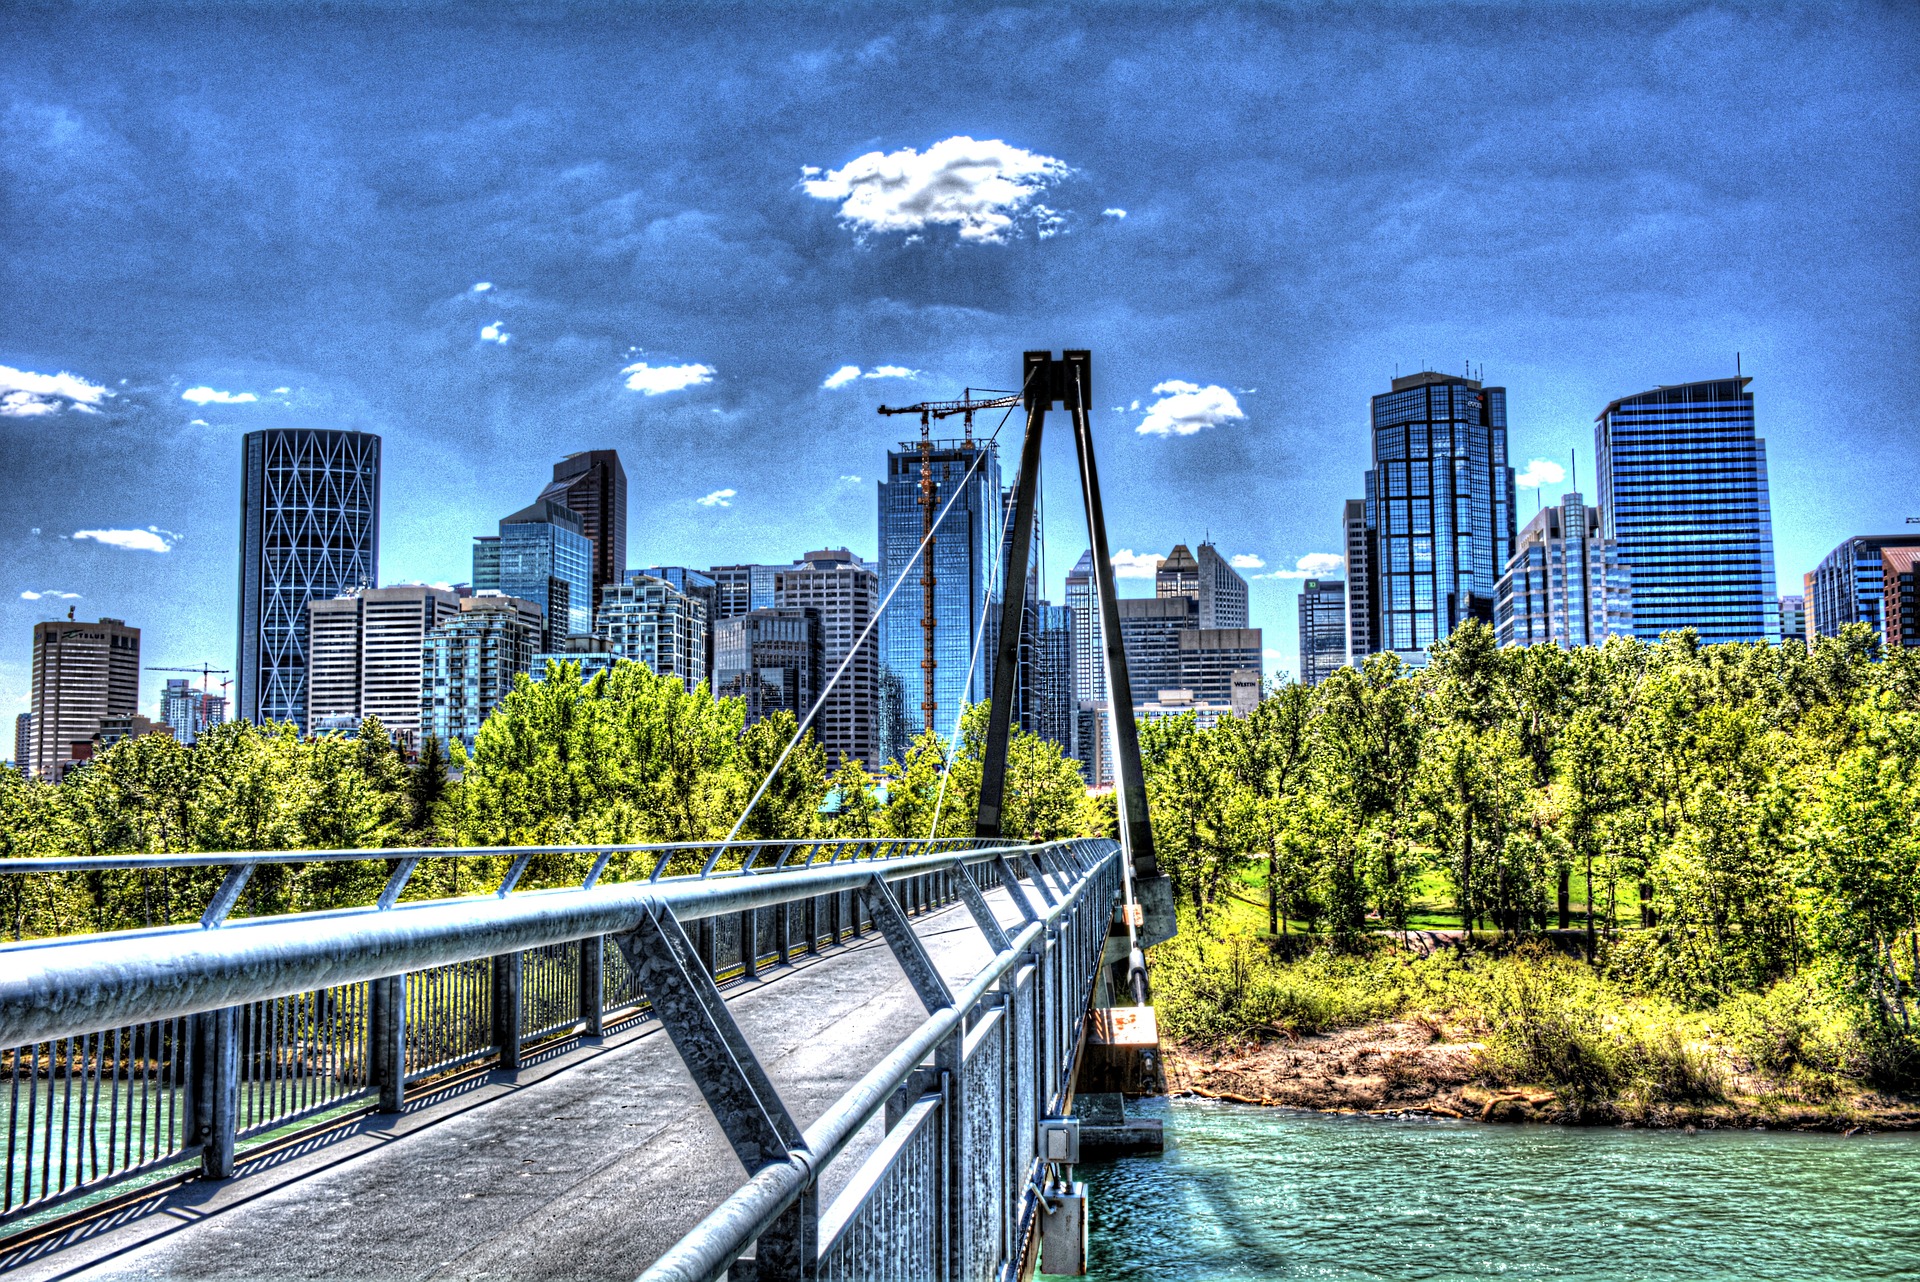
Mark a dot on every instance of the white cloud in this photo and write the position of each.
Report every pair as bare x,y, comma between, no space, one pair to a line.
1128,564
1541,471
208,396
481,287
847,373
719,498
50,595
151,539
1185,408
980,188
198,422
25,394
1113,213
283,391
493,333
1314,565
1272,656
653,380
851,479
1246,561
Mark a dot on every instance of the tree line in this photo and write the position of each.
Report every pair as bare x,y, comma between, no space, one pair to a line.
623,758
1735,813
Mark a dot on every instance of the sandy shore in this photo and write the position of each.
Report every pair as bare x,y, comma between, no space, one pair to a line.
1411,1067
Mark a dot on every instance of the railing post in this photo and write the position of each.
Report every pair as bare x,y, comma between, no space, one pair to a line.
213,1095
707,946
593,989
506,1008
387,1029
750,943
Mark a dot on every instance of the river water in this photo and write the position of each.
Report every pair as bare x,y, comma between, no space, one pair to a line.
1259,1193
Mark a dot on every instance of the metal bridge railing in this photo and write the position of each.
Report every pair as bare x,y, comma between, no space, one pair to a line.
951,1191
126,1053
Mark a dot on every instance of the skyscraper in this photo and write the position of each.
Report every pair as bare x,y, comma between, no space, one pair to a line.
309,529
739,588
649,621
1051,705
1167,650
471,661
1683,492
593,484
1565,582
1359,545
1177,574
1323,629
23,742
845,591
1223,593
965,552
699,585
84,674
1439,509
366,655
1089,666
771,659
1848,585
541,555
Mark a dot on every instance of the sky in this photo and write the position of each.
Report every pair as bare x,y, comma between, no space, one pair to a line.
715,239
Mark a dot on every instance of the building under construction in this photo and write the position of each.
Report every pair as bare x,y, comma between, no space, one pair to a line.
962,566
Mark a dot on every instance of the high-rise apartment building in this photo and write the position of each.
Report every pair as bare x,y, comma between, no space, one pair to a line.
845,592
594,485
590,654
1439,509
1849,586
769,658
1323,629
23,742
697,584
366,656
1565,583
650,621
83,675
1683,493
188,712
471,660
1358,541
1089,658
965,551
541,555
1793,620
739,588
309,530
1900,596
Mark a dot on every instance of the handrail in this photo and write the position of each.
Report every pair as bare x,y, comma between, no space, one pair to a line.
76,984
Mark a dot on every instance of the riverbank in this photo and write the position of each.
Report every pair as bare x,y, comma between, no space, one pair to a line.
1422,1066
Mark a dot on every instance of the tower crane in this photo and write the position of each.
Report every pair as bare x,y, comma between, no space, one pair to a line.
929,412
205,670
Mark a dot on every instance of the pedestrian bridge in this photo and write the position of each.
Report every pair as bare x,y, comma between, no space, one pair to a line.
785,1059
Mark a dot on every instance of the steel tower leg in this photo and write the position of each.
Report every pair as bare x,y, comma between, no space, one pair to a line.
1013,609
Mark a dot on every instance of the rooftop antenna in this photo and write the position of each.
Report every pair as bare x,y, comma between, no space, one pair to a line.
1736,366
1574,454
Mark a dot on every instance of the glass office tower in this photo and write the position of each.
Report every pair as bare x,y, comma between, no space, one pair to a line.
542,554
1683,491
309,530
1439,509
966,550
1848,587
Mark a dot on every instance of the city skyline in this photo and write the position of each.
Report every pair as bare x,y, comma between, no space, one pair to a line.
1256,291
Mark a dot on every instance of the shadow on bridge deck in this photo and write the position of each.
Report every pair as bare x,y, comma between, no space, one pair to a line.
587,1163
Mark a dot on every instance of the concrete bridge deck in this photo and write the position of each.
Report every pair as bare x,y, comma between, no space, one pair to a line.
586,1163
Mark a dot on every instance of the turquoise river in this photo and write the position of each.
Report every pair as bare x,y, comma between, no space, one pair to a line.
1252,1193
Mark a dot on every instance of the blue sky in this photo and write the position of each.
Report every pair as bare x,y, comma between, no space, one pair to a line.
690,219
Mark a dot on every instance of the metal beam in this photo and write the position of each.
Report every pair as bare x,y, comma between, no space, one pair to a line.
907,948
977,905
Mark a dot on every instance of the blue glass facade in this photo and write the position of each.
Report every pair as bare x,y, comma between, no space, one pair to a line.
1849,585
1439,509
541,555
1683,492
965,549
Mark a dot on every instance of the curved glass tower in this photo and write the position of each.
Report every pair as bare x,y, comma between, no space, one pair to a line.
309,530
1683,491
1439,509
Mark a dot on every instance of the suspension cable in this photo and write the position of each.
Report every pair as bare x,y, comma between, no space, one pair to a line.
821,699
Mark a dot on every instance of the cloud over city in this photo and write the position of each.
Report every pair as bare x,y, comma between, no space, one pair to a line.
719,498
49,595
848,373
1128,564
1185,408
1246,561
979,188
1539,472
151,539
210,396
1314,565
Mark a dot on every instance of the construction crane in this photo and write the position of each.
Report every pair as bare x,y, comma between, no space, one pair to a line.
929,412
205,670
